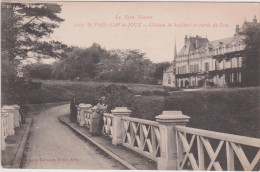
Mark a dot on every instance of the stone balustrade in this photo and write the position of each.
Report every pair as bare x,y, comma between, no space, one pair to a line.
4,128
10,118
169,143
10,110
87,114
108,125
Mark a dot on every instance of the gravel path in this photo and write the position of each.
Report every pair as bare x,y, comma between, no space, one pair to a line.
52,145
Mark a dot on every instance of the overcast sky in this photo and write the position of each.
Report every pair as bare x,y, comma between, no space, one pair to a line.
156,42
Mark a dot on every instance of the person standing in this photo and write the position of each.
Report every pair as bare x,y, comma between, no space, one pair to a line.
73,109
101,108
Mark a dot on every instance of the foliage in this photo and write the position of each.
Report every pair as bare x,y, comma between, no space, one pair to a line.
147,107
80,63
128,66
21,90
159,69
251,61
23,27
96,63
116,96
251,56
38,70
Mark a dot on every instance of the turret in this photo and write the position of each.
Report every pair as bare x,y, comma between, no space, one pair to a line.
237,29
196,42
255,20
185,39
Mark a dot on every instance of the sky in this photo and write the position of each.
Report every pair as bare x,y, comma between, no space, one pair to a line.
146,25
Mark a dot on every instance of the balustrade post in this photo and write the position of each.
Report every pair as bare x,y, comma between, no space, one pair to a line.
4,125
81,117
118,126
17,116
168,140
87,110
10,110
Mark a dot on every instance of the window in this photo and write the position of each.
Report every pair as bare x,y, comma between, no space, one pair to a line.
216,65
206,66
196,68
169,80
182,70
191,68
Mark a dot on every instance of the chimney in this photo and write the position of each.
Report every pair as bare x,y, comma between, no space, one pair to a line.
185,39
255,20
197,42
237,29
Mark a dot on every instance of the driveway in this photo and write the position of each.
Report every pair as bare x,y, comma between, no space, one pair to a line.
52,145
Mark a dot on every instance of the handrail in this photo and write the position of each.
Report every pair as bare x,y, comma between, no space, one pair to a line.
143,121
109,115
249,141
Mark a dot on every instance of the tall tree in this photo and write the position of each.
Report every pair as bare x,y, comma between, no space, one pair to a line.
159,69
251,61
23,28
80,62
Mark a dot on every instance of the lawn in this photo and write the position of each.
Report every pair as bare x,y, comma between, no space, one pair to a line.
229,110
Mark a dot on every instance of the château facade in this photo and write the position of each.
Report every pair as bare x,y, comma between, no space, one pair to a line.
196,63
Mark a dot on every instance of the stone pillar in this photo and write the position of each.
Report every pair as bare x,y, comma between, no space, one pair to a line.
167,122
87,110
4,126
78,113
17,116
82,108
118,127
10,110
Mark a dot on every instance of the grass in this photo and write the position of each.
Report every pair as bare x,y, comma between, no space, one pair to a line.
137,88
228,110
235,110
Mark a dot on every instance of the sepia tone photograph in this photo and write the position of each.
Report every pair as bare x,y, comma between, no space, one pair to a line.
130,85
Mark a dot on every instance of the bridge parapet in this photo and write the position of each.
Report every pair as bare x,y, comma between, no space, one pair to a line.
174,146
108,124
10,118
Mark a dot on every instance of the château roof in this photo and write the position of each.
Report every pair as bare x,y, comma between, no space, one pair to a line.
169,69
203,44
190,44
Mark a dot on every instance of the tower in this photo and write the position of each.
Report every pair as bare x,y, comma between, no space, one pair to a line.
175,53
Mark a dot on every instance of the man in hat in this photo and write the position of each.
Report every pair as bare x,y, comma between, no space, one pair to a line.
101,108
73,109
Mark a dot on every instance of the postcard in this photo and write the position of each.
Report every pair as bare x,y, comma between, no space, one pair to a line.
130,85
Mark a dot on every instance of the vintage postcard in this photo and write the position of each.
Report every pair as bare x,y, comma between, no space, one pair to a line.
130,85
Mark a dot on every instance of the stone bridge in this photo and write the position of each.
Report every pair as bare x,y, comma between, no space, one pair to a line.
167,141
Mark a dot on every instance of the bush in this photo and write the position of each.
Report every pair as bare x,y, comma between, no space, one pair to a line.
147,107
146,93
116,96
160,93
171,88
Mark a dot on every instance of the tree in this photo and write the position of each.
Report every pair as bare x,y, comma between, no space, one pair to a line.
80,63
251,54
38,70
134,67
23,28
108,68
159,69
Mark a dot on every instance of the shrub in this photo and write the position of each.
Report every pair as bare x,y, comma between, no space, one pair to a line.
116,96
171,88
147,107
160,93
146,93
